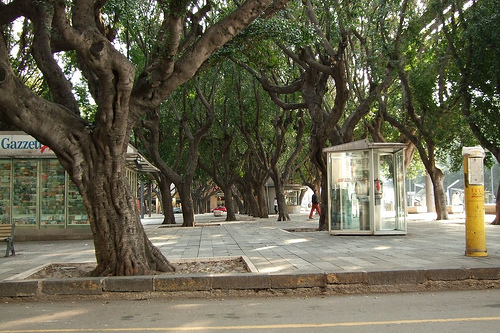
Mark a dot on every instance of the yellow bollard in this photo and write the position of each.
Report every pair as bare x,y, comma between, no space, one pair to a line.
475,234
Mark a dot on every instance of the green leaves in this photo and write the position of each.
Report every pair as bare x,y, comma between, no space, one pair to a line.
258,42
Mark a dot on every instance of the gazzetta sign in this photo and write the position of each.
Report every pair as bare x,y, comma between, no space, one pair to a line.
22,145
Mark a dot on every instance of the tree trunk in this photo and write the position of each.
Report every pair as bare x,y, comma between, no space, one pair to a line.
121,245
437,178
166,200
228,195
282,209
251,205
262,202
316,144
323,221
280,197
302,195
184,189
241,207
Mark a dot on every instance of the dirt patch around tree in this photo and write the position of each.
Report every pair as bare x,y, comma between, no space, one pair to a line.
203,266
302,229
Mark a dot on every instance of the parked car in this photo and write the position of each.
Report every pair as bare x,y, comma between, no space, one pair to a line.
177,210
220,207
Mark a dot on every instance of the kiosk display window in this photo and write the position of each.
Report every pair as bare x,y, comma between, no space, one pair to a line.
52,193
24,198
76,210
5,192
37,192
292,198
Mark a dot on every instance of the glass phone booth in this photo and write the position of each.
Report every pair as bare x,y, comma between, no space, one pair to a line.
366,194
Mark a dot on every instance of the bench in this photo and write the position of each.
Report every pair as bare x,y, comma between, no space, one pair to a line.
7,235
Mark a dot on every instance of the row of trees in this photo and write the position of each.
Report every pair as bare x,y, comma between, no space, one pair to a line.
389,74
241,92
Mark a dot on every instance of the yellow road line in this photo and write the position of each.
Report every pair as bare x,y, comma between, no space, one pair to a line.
260,327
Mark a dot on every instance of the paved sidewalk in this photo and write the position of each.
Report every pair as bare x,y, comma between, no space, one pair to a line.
272,249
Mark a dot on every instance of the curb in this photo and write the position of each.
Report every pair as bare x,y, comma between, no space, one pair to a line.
343,282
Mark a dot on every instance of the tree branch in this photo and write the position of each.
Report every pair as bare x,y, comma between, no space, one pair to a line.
214,38
13,10
42,52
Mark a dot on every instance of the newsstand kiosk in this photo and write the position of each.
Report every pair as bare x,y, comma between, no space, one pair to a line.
366,189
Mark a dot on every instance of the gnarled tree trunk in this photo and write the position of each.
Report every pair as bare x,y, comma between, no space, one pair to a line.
280,197
437,177
230,204
184,188
166,199
121,246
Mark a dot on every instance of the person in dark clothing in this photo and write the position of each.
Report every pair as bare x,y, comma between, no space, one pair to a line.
315,204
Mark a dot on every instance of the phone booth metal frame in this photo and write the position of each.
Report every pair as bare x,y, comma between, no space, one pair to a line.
366,189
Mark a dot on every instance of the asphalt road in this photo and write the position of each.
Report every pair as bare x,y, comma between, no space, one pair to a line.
450,311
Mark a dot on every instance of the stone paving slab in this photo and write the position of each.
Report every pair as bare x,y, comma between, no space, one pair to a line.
431,251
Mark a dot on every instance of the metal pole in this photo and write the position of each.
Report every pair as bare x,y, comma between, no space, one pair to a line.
150,197
142,200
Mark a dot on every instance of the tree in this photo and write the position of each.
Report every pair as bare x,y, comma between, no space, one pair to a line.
165,187
341,59
202,191
269,131
422,62
426,138
253,186
94,153
223,147
191,125
472,34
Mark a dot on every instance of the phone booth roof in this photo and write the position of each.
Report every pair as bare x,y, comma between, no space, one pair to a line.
364,145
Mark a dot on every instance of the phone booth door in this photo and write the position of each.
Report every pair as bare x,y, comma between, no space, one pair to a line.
388,212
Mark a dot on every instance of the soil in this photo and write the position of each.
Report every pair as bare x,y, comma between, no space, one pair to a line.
72,270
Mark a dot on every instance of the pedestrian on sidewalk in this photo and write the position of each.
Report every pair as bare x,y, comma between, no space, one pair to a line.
315,205
275,206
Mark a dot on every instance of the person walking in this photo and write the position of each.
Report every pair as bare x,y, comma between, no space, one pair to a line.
315,205
275,206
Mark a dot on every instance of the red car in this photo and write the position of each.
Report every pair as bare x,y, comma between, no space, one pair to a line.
220,207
